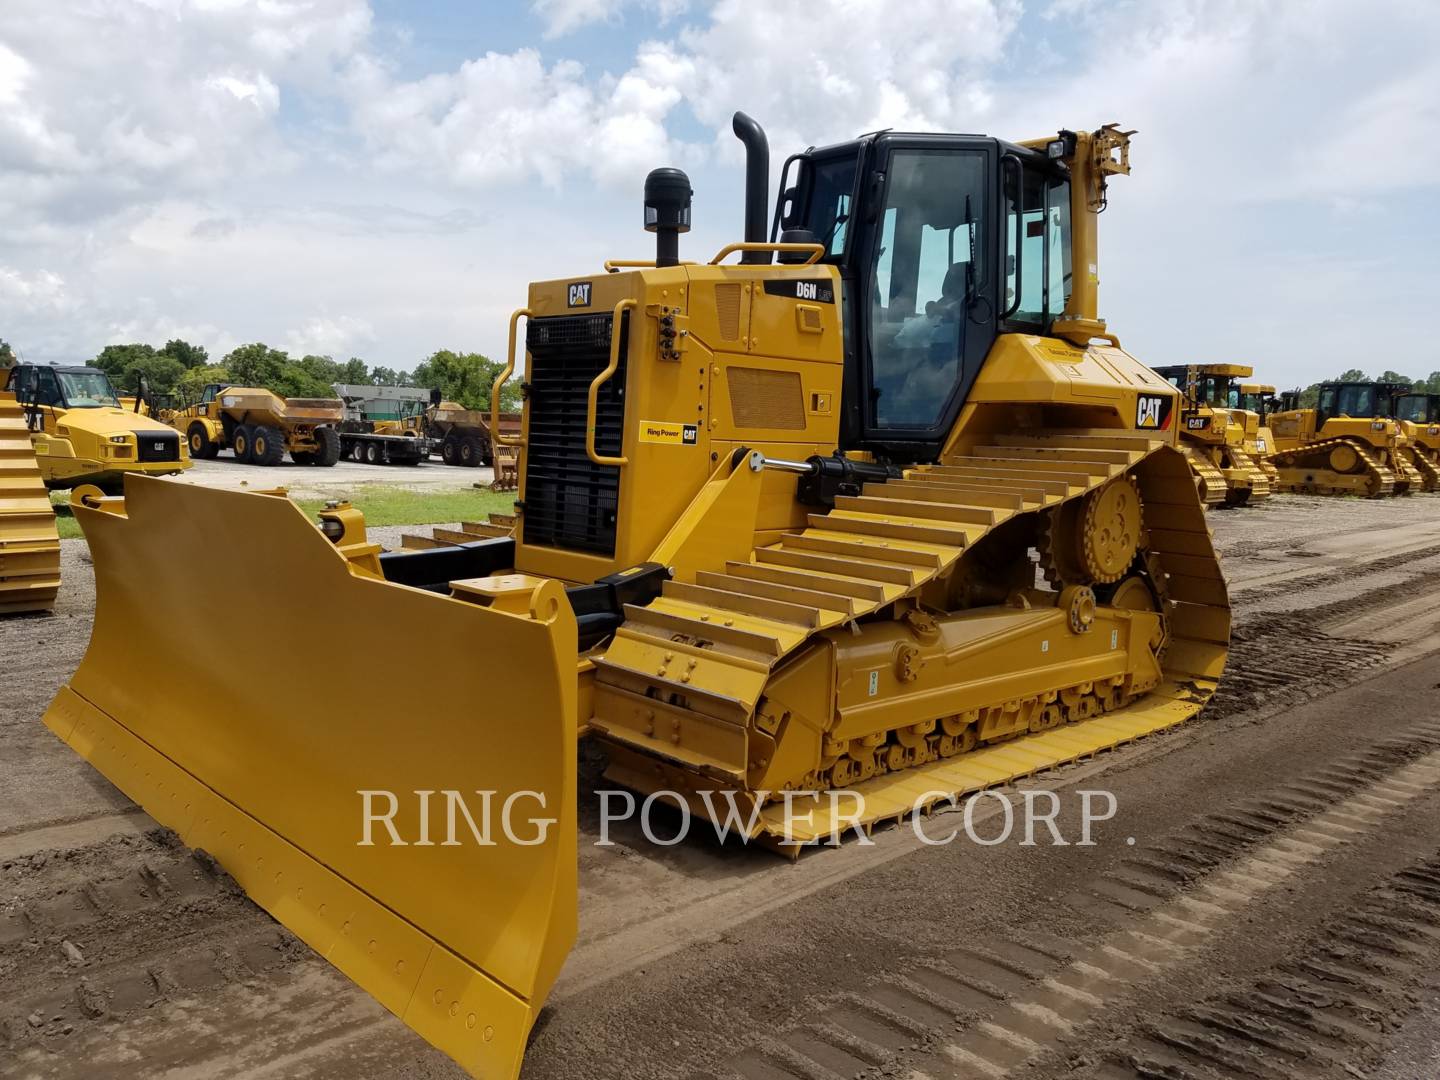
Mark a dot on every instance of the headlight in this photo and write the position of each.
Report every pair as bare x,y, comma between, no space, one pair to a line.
119,438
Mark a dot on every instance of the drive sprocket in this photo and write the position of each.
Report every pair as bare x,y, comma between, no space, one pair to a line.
1092,540
1112,530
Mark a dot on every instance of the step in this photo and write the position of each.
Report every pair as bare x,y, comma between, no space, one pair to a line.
870,525
921,491
1062,466
836,564
860,549
638,621
763,607
809,579
1061,484
902,508
1087,455
828,603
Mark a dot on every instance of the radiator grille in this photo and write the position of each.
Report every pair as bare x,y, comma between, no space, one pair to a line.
570,502
157,445
760,398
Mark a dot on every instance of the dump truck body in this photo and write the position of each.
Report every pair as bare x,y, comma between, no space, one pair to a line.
1215,433
1346,445
463,435
82,434
259,427
29,542
758,570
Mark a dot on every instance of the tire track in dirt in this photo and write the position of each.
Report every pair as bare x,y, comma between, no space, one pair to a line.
985,1009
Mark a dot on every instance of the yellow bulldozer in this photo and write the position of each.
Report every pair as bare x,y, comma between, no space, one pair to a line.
1259,398
81,432
774,543
1348,444
1418,415
259,427
29,542
1214,430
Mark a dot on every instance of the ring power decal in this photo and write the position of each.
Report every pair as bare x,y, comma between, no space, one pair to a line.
662,431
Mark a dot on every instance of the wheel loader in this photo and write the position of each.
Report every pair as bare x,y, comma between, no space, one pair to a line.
82,434
29,542
1214,430
881,510
1346,445
259,427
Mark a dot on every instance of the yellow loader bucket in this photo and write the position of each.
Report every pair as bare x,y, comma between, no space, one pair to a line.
246,683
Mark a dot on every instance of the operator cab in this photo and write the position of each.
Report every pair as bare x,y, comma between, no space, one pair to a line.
1418,408
1363,400
62,387
1217,391
943,242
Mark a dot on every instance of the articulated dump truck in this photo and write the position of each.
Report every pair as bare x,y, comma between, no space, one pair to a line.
29,542
882,509
1214,430
1348,444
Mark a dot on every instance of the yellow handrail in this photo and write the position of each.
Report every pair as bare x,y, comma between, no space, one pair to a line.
592,406
614,266
816,250
495,436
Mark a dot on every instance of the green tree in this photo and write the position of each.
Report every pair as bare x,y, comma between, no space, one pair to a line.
190,356
7,354
1395,377
192,384
257,365
126,363
1353,375
312,376
466,378
1430,385
384,376
353,371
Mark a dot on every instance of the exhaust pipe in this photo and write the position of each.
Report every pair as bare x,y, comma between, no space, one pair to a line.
757,184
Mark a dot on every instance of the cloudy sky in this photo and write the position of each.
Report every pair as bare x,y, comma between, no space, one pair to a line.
382,177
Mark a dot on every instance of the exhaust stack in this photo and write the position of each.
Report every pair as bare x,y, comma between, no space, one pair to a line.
757,184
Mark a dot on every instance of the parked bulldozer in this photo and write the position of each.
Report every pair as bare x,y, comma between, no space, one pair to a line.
1259,398
1346,445
1214,430
1419,418
773,543
259,427
29,542
81,433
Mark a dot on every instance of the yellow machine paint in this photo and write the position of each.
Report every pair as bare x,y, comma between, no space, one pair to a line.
1346,445
698,578
1419,414
1215,431
29,543
82,435
1259,399
259,427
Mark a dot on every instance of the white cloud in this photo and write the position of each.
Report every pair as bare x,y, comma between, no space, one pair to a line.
339,337
562,17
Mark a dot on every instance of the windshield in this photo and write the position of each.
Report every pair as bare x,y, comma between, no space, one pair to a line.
1359,401
923,275
1413,407
87,389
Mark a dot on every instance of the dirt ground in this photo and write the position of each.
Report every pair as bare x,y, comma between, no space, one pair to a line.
1265,903
305,482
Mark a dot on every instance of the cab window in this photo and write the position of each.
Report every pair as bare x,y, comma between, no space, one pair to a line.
924,274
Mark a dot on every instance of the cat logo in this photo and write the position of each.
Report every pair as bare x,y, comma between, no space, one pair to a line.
1152,411
580,294
1197,423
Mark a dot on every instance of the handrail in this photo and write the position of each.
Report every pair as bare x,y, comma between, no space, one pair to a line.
614,266
592,405
816,251
1014,305
495,435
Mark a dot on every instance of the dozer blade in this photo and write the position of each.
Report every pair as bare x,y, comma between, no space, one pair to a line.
244,684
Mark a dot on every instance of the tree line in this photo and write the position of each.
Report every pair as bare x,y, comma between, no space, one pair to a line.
183,370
